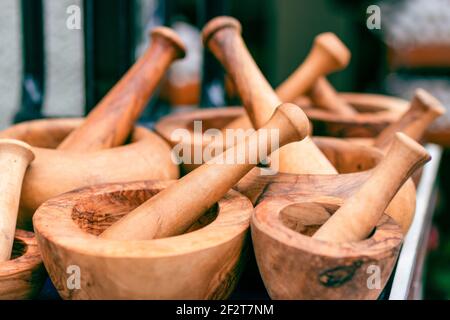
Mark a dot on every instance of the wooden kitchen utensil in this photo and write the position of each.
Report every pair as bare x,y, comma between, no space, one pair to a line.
21,269
423,110
111,121
56,171
360,213
222,36
166,214
338,260
203,263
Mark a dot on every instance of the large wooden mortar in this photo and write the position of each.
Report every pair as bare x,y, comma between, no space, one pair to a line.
54,172
295,266
353,162
22,277
203,263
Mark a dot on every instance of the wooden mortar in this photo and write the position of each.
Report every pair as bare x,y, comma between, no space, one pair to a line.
295,266
203,263
333,264
56,171
353,162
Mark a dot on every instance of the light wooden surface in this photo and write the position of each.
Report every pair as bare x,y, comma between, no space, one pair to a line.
15,156
173,210
222,36
203,263
22,277
55,171
360,213
111,121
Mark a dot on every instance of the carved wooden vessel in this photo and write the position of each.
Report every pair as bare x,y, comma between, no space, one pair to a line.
56,171
203,263
320,247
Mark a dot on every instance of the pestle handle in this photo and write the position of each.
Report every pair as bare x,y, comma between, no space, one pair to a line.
423,110
111,121
324,96
175,209
223,37
15,156
361,212
327,55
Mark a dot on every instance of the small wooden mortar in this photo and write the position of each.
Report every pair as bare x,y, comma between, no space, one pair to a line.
163,267
55,171
21,269
353,241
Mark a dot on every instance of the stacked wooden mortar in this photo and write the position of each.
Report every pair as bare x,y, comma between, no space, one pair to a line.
314,234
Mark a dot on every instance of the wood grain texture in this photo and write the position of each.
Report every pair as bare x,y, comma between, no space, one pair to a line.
360,213
22,277
109,124
222,36
204,263
55,171
173,210
15,156
295,266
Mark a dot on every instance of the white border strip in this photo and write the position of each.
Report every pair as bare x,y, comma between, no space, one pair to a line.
408,255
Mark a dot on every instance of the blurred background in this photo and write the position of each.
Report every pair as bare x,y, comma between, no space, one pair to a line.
52,67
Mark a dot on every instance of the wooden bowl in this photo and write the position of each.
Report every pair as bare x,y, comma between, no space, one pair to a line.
22,277
295,266
375,113
203,263
54,172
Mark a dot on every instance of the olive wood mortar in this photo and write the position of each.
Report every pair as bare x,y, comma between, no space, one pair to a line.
203,263
23,276
56,171
327,266
352,161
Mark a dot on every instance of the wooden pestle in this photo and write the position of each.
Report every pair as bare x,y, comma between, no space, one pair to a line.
324,96
423,110
111,121
327,55
15,156
360,213
175,209
223,37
